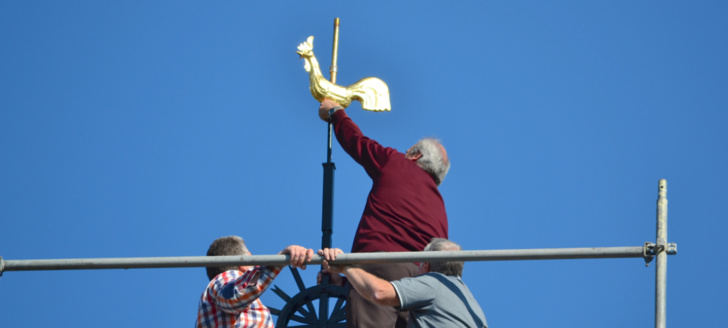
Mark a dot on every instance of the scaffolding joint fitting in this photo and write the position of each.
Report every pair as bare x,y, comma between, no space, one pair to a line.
649,250
671,249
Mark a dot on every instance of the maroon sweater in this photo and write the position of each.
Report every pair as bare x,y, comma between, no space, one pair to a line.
404,210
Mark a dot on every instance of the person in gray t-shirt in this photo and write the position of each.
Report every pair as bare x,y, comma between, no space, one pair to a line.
437,298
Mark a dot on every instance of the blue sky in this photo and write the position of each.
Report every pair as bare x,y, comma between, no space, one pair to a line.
139,128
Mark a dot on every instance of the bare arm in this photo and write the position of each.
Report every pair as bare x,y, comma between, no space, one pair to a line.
372,287
368,285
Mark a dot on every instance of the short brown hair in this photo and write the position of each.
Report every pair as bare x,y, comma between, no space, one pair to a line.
230,245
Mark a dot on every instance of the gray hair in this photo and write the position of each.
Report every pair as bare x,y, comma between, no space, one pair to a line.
230,245
451,268
433,160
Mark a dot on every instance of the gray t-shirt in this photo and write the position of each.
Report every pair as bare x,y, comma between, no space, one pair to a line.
439,301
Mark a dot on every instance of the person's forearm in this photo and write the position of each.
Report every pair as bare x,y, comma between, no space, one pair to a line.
372,287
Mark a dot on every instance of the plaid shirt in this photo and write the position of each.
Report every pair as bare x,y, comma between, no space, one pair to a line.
231,299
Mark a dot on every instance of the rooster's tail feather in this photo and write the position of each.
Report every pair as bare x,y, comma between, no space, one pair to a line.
372,92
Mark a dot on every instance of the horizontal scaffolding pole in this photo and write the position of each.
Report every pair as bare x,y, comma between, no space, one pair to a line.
347,258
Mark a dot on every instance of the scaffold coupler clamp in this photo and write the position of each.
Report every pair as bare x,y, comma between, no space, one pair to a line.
649,250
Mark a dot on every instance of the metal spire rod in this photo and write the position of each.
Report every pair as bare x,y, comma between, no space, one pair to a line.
327,206
349,258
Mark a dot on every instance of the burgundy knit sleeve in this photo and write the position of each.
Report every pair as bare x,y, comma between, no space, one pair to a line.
367,152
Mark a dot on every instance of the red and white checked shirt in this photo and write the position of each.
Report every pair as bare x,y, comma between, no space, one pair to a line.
231,299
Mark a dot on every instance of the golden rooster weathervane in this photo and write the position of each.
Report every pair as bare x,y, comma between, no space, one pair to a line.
372,92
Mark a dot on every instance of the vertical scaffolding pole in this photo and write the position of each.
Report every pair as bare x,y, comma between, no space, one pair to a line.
661,257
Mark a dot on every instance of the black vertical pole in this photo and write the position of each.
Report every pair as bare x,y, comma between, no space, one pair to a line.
327,226
327,211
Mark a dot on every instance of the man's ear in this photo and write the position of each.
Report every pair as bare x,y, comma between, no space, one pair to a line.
414,157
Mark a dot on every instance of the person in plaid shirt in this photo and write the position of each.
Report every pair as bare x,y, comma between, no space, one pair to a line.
231,299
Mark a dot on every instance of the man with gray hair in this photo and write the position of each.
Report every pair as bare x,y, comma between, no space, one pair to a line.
403,212
436,298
